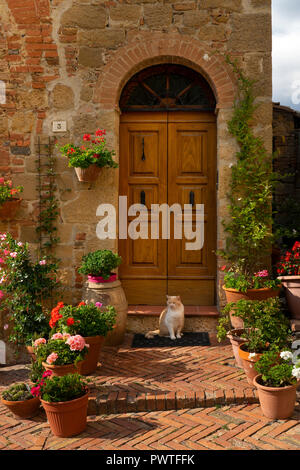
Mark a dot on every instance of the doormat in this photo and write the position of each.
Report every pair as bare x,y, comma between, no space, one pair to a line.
188,339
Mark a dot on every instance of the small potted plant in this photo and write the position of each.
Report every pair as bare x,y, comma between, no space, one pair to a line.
20,401
91,321
9,203
65,401
276,383
289,274
265,327
62,354
257,286
90,157
99,266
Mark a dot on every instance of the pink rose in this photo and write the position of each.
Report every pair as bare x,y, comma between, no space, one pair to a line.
52,358
39,341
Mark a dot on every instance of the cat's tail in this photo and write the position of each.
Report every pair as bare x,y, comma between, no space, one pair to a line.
151,334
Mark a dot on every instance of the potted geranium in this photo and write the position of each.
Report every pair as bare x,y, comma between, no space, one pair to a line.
266,327
235,335
27,284
62,354
93,322
20,401
99,266
9,203
90,157
289,274
277,383
65,401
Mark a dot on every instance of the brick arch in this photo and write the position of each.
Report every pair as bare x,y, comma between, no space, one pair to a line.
157,49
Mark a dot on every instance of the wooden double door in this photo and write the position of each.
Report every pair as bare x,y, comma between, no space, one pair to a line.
169,158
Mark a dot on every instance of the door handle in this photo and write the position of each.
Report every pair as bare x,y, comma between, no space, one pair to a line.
143,198
143,149
192,198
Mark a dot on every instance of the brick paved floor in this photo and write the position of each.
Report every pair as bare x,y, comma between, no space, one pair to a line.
163,398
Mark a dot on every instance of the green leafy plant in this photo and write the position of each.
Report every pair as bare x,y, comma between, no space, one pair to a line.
93,151
266,327
86,319
60,389
249,226
17,392
7,192
242,283
277,370
61,350
100,263
27,286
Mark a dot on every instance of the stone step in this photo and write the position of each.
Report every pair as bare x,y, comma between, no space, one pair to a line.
143,318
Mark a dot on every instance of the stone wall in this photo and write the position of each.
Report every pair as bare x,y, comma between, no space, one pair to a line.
68,60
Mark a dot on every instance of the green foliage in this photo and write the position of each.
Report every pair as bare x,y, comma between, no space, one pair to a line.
89,320
63,350
65,388
100,263
266,327
275,371
249,229
27,285
243,283
7,192
17,392
94,151
36,371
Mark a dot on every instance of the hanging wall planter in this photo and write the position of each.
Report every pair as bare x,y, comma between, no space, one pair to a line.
88,175
9,209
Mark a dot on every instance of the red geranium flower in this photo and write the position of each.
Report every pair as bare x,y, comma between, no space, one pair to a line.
70,321
87,137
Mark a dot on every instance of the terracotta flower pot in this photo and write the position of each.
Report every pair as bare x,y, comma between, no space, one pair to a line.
9,209
292,292
67,418
87,175
236,339
276,403
30,350
23,409
248,363
233,295
89,365
58,371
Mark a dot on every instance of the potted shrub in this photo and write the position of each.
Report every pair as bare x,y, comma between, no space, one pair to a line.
90,157
248,227
276,383
9,203
265,327
93,322
20,401
62,354
28,285
65,401
289,274
99,266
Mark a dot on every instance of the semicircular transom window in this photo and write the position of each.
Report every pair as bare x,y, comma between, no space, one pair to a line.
167,87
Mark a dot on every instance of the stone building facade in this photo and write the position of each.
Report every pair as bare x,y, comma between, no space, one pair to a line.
68,60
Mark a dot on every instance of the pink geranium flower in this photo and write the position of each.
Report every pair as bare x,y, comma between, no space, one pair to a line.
52,358
42,262
98,304
57,336
263,273
39,341
76,343
14,254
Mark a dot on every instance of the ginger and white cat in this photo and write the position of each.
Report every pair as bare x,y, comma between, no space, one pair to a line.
171,320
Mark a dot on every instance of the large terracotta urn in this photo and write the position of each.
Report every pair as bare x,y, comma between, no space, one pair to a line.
110,293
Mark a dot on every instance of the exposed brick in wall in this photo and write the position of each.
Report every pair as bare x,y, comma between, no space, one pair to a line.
68,60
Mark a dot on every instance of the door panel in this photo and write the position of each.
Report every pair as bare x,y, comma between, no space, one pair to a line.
169,158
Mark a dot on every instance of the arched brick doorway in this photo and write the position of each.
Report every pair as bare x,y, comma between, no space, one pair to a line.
154,49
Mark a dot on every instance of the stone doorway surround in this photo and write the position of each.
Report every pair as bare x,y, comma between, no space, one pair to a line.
155,48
